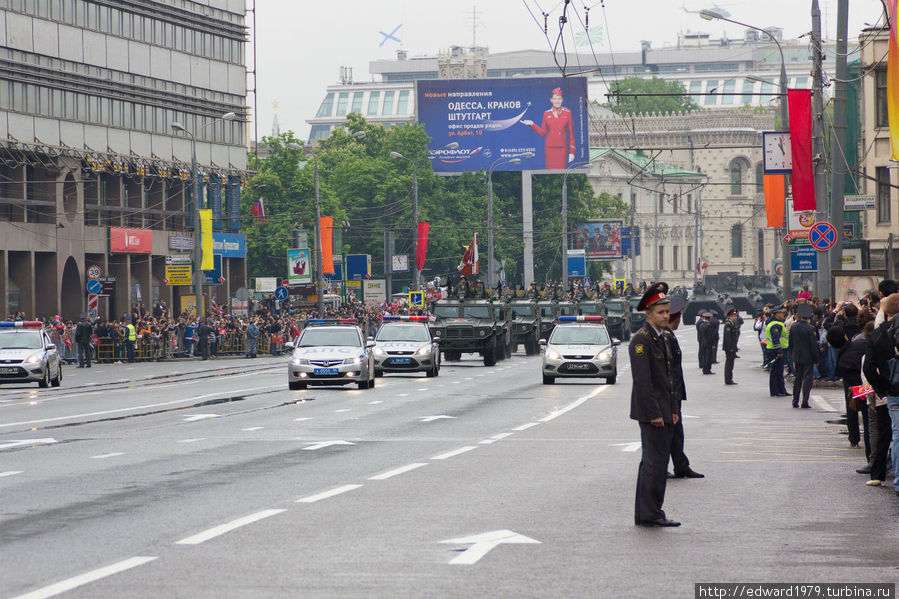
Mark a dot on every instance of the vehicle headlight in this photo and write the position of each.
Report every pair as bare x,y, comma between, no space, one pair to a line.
553,355
300,362
605,354
34,358
356,360
482,332
378,351
423,351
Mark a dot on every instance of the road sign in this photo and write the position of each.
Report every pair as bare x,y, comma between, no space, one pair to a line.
93,306
108,285
804,259
859,202
822,236
417,299
94,286
787,238
281,293
577,263
178,270
94,272
242,293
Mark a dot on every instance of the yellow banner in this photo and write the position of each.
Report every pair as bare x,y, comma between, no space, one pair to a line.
207,263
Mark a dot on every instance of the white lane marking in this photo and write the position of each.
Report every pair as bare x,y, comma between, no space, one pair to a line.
823,404
86,578
487,441
301,419
574,404
628,446
397,471
688,416
342,410
423,389
438,417
468,378
192,440
453,453
132,408
456,382
198,417
324,444
403,395
217,531
374,403
502,436
328,494
253,428
483,543
103,456
525,427
11,473
26,442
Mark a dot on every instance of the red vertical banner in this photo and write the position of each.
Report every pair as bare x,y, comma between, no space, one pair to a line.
802,179
423,229
775,199
326,225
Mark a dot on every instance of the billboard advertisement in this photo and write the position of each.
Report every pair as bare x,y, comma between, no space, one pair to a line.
299,266
600,238
130,241
496,119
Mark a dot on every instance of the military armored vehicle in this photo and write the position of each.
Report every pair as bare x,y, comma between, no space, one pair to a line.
700,300
618,317
525,325
473,325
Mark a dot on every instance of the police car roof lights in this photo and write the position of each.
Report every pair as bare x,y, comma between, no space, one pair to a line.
331,321
581,319
388,317
26,324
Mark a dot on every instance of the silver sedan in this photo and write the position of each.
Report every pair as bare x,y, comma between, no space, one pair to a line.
28,355
580,346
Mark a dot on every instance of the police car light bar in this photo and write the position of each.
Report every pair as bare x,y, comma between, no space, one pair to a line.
331,321
581,319
26,324
413,318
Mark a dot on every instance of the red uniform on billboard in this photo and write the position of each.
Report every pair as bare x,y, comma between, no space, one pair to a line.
558,129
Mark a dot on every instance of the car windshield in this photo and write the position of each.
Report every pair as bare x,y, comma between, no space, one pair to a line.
547,311
525,310
317,336
567,310
634,302
615,305
589,308
23,340
589,335
476,311
446,311
404,333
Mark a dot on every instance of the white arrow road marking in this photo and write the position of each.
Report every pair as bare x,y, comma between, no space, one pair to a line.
454,453
86,578
26,442
11,473
301,419
573,404
197,417
397,471
433,418
483,543
227,527
324,444
328,494
191,440
628,446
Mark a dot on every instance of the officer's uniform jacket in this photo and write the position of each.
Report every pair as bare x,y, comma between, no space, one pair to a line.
651,364
731,336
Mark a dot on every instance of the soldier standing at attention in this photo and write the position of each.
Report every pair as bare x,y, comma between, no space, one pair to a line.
678,457
654,405
731,336
701,325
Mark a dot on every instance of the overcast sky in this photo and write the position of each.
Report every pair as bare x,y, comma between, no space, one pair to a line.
303,43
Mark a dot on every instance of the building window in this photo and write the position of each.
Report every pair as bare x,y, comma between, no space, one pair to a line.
736,241
768,89
711,87
661,258
388,103
319,132
402,102
748,90
342,100
695,88
689,256
674,262
327,106
373,99
759,178
729,87
689,205
661,203
883,194
736,178
883,119
357,103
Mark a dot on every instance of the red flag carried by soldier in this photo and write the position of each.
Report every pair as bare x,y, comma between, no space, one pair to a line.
469,264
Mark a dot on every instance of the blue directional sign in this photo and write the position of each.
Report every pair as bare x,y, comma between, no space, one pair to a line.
577,263
94,286
804,258
281,293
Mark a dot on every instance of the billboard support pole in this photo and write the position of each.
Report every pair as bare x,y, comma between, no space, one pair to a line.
527,219
633,240
564,232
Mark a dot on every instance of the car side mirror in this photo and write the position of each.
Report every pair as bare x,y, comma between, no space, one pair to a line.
616,342
541,342
369,338
51,346
437,339
370,343
289,345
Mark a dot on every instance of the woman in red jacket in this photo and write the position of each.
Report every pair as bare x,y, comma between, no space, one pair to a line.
558,129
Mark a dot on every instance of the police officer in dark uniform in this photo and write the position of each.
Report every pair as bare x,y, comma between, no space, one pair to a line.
701,326
678,457
731,337
707,333
714,337
654,405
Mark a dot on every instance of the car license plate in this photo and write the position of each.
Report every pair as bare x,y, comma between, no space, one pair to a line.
9,370
325,371
578,366
401,360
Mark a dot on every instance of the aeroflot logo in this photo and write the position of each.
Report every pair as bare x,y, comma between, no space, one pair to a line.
456,155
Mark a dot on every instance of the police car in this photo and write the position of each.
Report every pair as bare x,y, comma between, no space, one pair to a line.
28,355
331,352
404,344
580,346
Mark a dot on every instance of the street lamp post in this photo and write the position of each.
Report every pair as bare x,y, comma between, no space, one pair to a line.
319,265
710,15
196,256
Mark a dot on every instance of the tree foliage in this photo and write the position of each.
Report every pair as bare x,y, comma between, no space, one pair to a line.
368,192
625,104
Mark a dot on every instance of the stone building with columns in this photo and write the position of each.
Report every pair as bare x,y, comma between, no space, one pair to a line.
93,179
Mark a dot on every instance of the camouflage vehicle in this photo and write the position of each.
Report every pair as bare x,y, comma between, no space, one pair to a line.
703,299
525,325
618,317
470,325
638,318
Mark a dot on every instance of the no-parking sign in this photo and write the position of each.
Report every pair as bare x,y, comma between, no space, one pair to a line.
822,236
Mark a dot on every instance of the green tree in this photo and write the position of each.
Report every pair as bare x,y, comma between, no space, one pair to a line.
629,104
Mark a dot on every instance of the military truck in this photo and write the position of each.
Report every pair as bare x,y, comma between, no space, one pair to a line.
618,317
638,318
470,325
525,325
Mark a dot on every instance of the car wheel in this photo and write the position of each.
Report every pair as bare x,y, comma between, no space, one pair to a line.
548,380
514,347
296,385
45,380
362,384
57,381
610,380
432,371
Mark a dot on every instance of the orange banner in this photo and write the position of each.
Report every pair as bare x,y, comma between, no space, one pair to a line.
326,224
775,193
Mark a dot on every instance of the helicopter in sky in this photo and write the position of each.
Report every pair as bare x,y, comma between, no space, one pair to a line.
715,8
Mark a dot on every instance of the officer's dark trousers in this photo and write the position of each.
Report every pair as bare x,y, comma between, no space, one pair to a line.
776,384
129,350
204,347
653,472
678,457
729,357
802,383
707,359
84,355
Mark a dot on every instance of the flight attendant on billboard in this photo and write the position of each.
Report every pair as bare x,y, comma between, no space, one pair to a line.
558,129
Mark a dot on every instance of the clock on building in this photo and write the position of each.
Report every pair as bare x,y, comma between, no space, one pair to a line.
778,155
